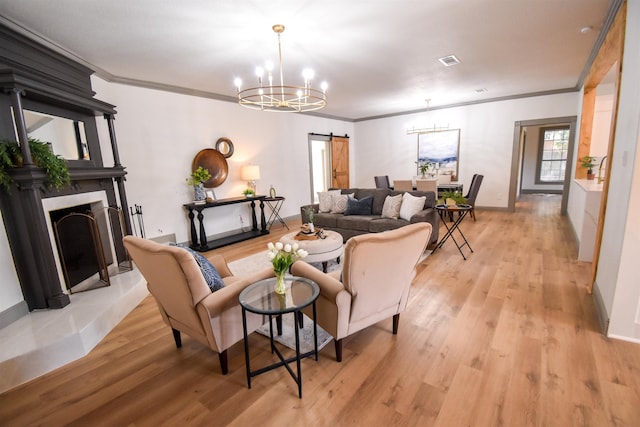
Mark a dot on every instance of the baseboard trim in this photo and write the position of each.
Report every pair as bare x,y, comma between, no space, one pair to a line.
601,310
540,191
13,313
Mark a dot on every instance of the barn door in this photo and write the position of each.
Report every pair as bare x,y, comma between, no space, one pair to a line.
339,162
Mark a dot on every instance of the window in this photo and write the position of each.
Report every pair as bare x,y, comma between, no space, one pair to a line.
552,159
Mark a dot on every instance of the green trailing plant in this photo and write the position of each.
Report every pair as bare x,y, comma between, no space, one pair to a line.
55,168
454,195
199,176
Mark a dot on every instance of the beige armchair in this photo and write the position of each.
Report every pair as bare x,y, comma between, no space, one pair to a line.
186,302
377,272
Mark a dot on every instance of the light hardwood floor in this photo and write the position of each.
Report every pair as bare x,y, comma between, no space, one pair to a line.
507,338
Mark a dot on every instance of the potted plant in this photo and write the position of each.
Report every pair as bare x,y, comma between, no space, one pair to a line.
248,192
423,167
451,198
309,213
54,166
197,179
588,162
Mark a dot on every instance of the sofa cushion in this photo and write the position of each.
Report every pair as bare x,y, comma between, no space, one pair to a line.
355,222
327,220
391,207
211,275
378,225
378,195
325,200
359,207
411,205
340,202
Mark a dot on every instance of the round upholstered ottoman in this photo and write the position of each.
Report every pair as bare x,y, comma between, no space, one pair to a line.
319,250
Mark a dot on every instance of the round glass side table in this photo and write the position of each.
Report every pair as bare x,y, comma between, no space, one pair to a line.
261,298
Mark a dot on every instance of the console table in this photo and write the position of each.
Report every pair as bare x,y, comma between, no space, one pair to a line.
201,244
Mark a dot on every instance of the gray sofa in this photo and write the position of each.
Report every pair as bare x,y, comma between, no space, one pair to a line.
353,225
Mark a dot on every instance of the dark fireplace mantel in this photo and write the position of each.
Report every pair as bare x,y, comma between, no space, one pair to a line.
33,75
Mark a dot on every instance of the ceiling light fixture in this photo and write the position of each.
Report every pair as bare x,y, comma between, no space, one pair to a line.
282,98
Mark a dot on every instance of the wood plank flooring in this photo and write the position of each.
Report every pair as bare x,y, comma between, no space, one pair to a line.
507,338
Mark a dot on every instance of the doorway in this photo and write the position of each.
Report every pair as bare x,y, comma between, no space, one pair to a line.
519,160
328,163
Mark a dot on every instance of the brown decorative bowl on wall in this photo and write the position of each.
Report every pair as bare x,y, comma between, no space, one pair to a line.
215,162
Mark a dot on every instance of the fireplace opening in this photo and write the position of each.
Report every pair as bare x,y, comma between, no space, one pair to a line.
84,258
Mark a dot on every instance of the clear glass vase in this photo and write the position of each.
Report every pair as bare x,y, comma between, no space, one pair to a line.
280,288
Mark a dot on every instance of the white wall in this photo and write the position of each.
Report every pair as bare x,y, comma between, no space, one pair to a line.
383,146
617,278
10,292
159,133
601,121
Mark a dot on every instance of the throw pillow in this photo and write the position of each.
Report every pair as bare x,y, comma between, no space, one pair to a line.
359,207
411,205
211,275
340,202
325,200
391,207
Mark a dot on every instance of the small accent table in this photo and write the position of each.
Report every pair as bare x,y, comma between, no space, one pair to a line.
275,203
260,298
448,212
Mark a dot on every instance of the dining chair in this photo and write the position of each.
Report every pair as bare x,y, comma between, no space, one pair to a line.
402,185
473,193
427,185
382,181
444,179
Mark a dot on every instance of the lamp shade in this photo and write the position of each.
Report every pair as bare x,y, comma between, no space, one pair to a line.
250,173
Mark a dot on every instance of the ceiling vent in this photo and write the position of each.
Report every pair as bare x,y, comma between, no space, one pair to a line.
450,60
482,90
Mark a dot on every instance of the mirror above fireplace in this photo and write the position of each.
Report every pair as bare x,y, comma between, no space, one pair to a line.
67,137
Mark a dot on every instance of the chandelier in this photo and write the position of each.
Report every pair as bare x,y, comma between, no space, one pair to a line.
282,98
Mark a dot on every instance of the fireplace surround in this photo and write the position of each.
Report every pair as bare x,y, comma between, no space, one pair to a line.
35,78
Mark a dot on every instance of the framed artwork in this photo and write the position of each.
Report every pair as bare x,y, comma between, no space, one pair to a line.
441,148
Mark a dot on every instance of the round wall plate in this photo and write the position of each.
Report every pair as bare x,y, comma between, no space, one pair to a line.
215,163
225,147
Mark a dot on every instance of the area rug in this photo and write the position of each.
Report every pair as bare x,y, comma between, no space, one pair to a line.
288,334
259,261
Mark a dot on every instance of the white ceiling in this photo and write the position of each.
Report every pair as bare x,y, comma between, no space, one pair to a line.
379,57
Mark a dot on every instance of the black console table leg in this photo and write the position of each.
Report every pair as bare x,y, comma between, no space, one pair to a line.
263,221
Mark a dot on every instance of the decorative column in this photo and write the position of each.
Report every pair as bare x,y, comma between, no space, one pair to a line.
119,180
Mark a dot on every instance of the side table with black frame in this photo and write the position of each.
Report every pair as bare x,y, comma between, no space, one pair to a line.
275,204
445,212
261,298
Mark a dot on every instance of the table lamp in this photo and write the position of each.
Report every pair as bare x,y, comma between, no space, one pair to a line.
250,173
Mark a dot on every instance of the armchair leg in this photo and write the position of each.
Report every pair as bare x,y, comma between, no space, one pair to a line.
338,350
224,363
396,321
176,337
